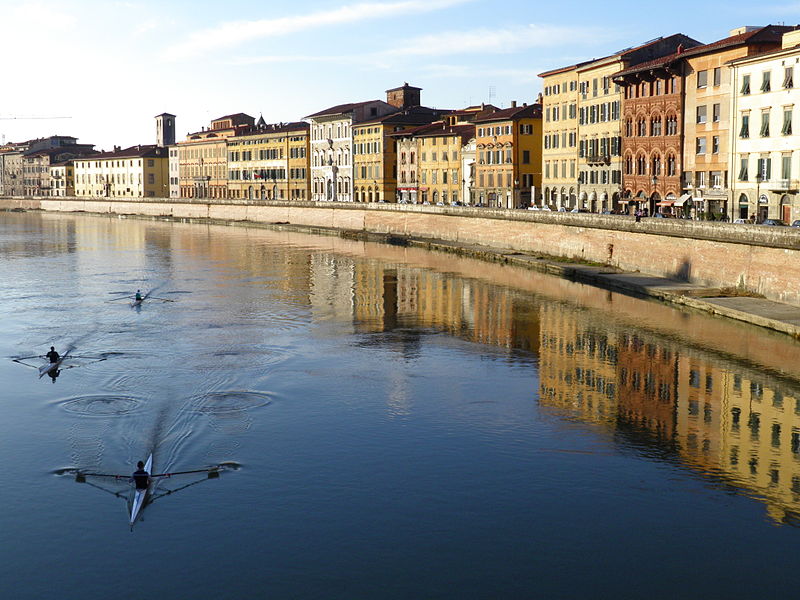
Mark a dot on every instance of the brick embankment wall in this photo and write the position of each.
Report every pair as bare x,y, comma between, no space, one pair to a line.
764,260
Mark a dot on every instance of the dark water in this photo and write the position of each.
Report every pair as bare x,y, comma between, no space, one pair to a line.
394,424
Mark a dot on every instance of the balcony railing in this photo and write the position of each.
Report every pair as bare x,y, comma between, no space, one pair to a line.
598,159
782,185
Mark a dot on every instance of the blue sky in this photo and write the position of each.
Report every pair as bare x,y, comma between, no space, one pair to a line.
112,65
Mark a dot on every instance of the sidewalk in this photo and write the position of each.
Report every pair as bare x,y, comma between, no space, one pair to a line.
757,311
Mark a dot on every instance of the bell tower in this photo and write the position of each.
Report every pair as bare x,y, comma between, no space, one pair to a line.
165,130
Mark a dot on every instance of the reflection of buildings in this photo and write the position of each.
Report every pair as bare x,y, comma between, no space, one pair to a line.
721,419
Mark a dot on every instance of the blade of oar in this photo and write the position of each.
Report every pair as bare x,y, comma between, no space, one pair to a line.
164,299
208,470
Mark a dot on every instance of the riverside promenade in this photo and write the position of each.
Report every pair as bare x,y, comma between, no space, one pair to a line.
746,272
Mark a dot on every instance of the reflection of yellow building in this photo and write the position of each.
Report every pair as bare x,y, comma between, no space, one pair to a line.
721,420
577,365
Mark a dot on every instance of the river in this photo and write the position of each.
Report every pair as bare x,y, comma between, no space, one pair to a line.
389,423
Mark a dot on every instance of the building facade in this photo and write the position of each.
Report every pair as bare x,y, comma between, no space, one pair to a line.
62,179
203,157
135,172
331,147
765,142
509,161
269,162
707,116
560,137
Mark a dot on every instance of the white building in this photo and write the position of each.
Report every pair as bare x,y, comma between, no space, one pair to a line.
468,152
765,142
331,147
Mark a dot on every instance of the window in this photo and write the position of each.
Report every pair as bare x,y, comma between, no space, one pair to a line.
716,110
672,125
745,85
655,126
786,166
788,78
526,157
764,169
717,76
702,79
765,82
670,165
700,145
744,132
716,179
764,124
701,114
787,122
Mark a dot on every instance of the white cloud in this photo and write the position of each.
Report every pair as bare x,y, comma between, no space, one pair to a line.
234,33
497,41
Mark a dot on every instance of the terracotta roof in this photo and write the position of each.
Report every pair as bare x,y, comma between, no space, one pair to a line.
564,69
273,128
770,33
515,112
414,115
233,116
133,152
340,109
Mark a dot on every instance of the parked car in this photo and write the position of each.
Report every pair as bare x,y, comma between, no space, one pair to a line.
743,221
795,223
773,223
660,215
546,208
562,209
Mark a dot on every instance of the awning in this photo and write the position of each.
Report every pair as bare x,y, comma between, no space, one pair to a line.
665,203
682,200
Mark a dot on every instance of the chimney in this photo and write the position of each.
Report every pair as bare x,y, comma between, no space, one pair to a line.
680,48
513,104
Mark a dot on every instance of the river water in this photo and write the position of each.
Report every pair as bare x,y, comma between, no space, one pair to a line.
391,423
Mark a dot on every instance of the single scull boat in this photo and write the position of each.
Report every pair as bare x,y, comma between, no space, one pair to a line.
48,368
139,496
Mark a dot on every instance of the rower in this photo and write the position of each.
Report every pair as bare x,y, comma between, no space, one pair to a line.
52,356
141,477
138,296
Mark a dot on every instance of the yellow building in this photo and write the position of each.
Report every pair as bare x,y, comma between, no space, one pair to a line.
269,162
440,164
62,179
508,144
203,157
375,152
560,137
135,172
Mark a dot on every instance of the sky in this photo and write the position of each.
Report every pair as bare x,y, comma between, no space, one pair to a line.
108,67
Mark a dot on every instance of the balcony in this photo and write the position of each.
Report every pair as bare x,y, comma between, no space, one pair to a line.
782,185
598,159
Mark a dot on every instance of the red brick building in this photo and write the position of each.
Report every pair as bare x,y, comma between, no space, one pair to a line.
652,130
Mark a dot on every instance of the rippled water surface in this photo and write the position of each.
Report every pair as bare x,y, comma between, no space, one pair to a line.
389,423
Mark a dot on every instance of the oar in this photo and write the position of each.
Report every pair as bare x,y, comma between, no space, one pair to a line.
164,299
208,470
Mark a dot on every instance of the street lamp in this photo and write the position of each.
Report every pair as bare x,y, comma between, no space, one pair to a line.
759,179
653,197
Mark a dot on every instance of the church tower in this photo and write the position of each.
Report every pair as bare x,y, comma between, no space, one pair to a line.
165,130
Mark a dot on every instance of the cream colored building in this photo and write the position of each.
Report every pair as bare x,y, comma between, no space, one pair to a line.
707,116
765,141
135,172
62,179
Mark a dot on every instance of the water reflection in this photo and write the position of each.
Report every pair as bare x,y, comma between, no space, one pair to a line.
718,397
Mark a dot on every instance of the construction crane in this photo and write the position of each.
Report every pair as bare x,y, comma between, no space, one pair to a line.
21,118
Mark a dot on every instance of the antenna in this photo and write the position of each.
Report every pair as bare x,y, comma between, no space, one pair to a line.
492,93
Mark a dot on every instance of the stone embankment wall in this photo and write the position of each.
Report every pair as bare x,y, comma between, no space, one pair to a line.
760,259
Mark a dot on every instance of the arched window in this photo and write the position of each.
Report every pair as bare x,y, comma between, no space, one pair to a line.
641,127
671,165
656,165
641,165
655,125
